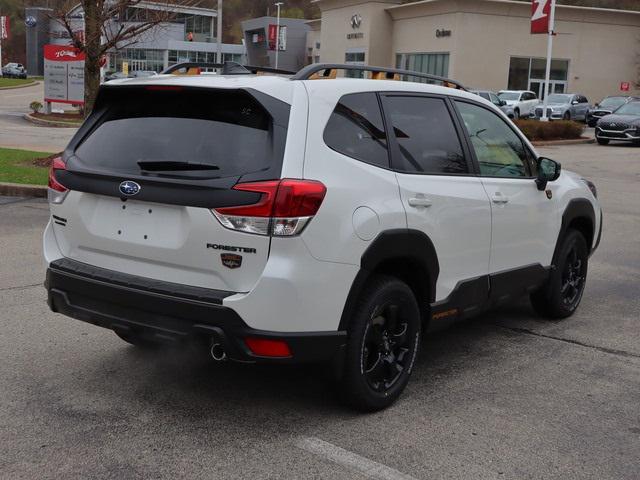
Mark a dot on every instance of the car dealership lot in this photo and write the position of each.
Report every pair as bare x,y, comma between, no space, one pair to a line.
506,395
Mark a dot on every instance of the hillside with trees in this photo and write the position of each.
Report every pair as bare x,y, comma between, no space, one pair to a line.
234,12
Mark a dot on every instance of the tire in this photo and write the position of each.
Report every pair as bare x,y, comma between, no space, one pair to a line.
602,141
566,116
383,340
560,296
516,114
137,340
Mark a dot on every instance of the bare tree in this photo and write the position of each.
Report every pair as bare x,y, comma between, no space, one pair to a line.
105,30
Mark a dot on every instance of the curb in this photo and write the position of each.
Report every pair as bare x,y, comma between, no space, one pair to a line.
23,190
551,143
49,123
24,85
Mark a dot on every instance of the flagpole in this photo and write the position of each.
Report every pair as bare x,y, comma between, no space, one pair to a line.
547,78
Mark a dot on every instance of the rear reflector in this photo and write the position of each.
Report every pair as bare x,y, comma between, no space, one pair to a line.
57,192
268,348
284,208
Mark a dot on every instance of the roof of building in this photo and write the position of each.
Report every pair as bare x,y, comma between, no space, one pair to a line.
519,3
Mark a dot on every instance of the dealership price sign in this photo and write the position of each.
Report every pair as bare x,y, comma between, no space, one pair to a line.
63,74
540,16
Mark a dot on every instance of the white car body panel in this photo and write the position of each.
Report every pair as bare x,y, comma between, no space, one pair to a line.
301,284
458,222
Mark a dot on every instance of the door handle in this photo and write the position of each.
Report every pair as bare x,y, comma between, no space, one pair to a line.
499,198
419,202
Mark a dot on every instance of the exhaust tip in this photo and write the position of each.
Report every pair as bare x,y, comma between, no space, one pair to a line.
217,352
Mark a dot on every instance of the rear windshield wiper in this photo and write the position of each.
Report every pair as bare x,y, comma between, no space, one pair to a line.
169,166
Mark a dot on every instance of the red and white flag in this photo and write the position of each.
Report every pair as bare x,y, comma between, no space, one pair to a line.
540,16
4,27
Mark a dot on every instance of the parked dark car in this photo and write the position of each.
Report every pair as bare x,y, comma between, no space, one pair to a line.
623,125
607,106
14,70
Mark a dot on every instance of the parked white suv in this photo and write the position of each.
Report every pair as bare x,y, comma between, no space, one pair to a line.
294,220
523,102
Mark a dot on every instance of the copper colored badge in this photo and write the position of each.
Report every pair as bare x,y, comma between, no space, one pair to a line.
231,260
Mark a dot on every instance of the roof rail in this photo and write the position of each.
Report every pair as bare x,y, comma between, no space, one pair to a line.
327,70
227,68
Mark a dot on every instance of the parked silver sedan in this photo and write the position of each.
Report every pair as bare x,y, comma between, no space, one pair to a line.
564,106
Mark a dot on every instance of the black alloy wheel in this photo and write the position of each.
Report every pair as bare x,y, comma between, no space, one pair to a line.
573,278
385,348
383,340
561,294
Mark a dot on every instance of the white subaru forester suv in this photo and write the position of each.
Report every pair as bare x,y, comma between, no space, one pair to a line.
309,219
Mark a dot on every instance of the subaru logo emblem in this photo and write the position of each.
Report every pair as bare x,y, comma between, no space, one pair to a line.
129,188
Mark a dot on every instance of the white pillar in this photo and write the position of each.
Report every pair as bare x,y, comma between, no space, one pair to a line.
278,32
547,78
219,33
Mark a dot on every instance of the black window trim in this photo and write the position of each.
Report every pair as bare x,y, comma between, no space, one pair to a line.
469,144
394,148
384,125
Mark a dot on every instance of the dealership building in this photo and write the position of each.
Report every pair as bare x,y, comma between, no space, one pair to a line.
189,35
484,44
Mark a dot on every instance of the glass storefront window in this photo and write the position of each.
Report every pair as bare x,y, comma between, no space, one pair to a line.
431,63
523,71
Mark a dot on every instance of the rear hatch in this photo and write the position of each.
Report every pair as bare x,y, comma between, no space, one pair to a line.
148,167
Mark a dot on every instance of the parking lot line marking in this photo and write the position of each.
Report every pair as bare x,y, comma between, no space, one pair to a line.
350,460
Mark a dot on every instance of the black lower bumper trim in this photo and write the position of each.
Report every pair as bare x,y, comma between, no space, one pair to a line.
154,314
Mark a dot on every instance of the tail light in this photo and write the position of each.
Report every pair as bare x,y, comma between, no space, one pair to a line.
265,347
284,208
56,192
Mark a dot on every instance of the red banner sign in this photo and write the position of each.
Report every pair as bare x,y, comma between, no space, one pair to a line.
625,86
63,53
271,36
540,16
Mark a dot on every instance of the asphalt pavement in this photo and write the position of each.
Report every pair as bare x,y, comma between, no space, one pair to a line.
16,132
504,396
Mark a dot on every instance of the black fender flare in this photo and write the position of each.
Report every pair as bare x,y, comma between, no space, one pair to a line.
396,244
577,209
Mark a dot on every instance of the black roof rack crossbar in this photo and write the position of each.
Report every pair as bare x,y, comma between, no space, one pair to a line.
227,68
307,72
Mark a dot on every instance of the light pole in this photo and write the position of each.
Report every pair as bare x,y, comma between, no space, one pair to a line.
278,5
547,80
219,35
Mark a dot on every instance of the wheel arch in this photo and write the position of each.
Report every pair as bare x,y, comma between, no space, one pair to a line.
402,253
578,215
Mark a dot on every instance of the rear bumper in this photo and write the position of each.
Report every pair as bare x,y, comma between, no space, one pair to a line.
171,313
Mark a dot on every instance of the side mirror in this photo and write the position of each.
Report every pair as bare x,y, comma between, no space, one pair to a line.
502,103
548,171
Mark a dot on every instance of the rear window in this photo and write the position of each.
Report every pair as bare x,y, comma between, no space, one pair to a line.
225,133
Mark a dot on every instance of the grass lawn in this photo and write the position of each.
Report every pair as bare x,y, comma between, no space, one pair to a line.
16,166
14,82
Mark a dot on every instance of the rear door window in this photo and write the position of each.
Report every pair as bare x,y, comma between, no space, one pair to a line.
427,138
226,133
356,129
